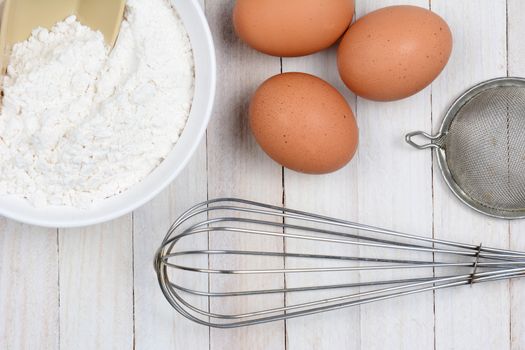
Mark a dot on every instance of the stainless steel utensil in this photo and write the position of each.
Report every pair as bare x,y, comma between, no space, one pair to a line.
480,147
248,278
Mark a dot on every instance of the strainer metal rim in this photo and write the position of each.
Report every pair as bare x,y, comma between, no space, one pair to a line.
435,143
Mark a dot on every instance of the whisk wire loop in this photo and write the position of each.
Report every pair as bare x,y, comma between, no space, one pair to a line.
223,263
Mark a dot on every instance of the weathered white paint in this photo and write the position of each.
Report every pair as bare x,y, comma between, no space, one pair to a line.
477,317
28,287
337,195
394,184
95,287
237,167
156,323
516,67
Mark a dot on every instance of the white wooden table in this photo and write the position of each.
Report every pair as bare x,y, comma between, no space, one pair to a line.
95,288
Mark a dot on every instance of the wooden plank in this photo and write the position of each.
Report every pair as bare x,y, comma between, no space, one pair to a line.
28,287
394,184
477,317
96,286
237,167
157,324
516,67
139,315
333,195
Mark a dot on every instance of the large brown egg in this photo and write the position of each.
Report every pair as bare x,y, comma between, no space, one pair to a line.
394,52
291,27
303,123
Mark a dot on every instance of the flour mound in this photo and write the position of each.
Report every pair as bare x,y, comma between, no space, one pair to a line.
80,122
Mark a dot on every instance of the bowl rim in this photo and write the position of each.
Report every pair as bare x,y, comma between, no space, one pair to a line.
183,161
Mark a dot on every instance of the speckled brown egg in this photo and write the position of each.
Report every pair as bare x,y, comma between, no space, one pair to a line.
291,27
394,52
303,123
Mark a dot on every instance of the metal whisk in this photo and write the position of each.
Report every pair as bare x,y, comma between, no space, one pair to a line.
231,262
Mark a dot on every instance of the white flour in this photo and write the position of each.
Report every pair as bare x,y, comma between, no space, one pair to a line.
80,123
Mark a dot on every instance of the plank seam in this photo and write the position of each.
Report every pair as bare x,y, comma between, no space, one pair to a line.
283,202
509,227
58,286
204,5
133,277
433,226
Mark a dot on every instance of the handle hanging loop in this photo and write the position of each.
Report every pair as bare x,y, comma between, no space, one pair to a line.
431,140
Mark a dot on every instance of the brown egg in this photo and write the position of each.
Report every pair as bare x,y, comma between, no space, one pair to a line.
303,123
394,52
292,27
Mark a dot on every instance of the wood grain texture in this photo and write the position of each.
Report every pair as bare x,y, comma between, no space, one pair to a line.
237,167
157,324
479,29
516,67
96,286
335,195
29,293
28,287
395,192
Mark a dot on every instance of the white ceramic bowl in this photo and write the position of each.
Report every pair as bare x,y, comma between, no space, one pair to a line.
205,78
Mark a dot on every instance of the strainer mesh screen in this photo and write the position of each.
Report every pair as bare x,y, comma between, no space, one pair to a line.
485,148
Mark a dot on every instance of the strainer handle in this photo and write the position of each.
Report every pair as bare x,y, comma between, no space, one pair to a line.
430,138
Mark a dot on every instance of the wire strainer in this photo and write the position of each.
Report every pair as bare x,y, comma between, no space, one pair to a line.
480,147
